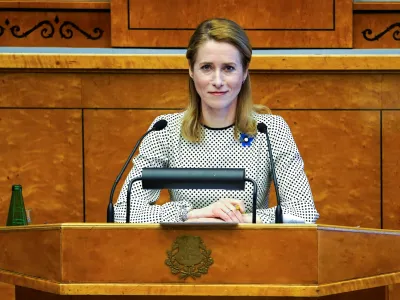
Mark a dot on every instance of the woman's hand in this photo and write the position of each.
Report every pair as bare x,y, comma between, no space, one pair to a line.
226,209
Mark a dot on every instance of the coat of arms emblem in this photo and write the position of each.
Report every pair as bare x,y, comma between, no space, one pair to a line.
189,257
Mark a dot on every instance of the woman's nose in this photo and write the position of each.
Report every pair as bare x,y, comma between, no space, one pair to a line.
218,79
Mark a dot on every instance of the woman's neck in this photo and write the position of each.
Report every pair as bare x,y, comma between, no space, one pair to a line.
217,118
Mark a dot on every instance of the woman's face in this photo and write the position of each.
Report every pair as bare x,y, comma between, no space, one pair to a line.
218,76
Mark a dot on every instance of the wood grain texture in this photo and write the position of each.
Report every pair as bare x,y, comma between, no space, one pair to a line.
110,136
44,258
56,4
45,90
154,89
139,90
322,90
391,169
349,243
147,248
341,153
265,63
390,91
369,294
364,252
55,29
257,14
376,30
366,6
272,24
42,150
7,291
393,292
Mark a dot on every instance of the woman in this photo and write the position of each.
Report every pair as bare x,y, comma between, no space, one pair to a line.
219,130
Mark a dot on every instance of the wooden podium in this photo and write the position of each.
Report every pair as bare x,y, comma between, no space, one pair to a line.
231,260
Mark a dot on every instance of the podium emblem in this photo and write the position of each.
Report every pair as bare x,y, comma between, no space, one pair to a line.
189,257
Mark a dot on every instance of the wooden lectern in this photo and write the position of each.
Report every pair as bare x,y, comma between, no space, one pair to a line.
51,261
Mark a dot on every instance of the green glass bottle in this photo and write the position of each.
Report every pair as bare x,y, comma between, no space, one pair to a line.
16,212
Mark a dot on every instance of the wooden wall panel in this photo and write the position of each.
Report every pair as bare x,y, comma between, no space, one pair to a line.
320,91
41,149
391,169
274,23
7,291
342,157
43,90
139,90
390,91
110,136
52,28
273,14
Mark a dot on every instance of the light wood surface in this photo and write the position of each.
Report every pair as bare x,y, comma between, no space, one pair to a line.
346,62
56,4
270,24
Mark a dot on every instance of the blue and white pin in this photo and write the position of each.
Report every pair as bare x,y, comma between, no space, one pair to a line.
246,140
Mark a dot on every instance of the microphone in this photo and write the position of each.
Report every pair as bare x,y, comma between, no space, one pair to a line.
192,178
159,125
261,127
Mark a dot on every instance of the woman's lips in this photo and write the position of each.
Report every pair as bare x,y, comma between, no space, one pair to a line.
217,93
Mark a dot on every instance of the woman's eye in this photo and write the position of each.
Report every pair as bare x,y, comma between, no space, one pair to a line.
230,68
206,67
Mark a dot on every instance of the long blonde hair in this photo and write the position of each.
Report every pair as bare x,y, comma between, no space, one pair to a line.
227,31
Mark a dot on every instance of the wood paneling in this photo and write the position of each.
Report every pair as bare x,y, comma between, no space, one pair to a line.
376,6
55,29
80,264
376,30
264,63
56,4
393,292
366,257
45,90
370,294
271,24
390,91
341,153
140,90
7,291
110,136
391,169
42,150
43,259
321,91
257,14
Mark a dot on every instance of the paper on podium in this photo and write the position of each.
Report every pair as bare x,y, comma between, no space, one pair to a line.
288,218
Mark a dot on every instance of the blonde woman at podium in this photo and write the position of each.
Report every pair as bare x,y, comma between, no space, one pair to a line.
218,129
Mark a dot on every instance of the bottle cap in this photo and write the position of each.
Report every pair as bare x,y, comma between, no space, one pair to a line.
16,187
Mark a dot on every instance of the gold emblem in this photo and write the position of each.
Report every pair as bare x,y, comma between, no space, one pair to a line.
189,257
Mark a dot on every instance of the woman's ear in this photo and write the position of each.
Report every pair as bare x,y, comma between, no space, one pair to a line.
246,73
190,70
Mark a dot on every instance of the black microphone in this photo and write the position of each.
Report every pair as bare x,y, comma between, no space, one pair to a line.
278,211
192,178
159,125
